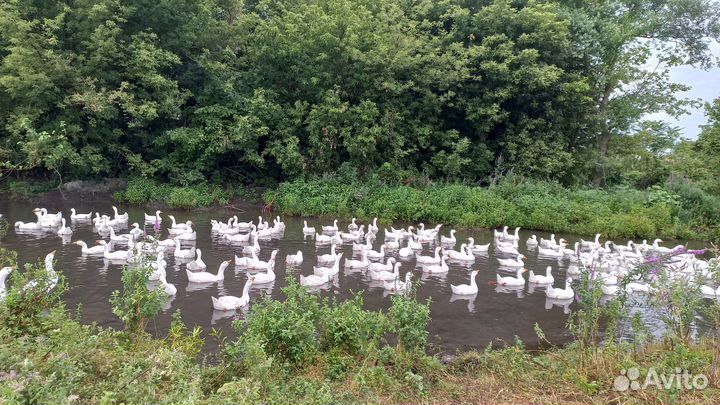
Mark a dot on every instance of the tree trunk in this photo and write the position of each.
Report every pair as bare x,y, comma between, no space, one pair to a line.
603,142
603,137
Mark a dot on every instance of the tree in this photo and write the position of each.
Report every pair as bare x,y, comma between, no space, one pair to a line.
617,39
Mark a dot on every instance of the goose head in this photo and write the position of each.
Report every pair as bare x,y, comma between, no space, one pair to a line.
4,272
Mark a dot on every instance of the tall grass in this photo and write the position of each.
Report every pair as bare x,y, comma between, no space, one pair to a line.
680,211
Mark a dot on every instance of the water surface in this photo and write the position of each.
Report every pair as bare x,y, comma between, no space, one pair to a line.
495,315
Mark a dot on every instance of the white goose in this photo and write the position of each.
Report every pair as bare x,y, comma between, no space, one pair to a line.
136,231
352,226
206,277
437,268
168,288
540,279
358,264
50,269
120,239
451,240
158,268
329,271
121,218
513,262
512,250
374,227
479,249
183,253
590,245
328,258
413,244
116,255
516,281
386,275
314,280
556,251
514,237
465,289
254,248
95,250
175,225
166,242
268,276
374,254
151,219
430,259
382,266
326,240
532,241
237,238
463,255
331,228
230,303
406,251
256,263
308,229
294,260
189,233
79,217
548,243
4,273
198,264
500,234
64,230
397,286
561,293
31,225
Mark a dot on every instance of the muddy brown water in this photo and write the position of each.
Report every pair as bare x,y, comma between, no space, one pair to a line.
494,315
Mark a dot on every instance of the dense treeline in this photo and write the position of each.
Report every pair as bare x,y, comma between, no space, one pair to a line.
185,90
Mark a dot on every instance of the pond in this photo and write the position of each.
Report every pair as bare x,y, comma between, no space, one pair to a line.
494,315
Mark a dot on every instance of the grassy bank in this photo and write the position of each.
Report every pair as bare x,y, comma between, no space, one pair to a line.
674,211
311,350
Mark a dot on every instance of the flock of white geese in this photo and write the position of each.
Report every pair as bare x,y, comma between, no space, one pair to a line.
610,262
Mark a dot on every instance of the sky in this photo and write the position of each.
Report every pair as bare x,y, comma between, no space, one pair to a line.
705,86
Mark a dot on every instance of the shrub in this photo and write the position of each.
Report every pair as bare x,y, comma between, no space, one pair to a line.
616,213
135,305
410,319
31,294
143,191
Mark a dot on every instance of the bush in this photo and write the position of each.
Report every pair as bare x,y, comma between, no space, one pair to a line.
135,305
31,294
675,211
143,191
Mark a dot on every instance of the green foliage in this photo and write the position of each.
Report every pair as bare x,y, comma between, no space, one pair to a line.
257,92
30,296
4,226
143,191
410,320
24,189
298,329
676,211
136,305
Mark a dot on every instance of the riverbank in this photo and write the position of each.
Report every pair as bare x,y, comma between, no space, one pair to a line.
678,211
309,350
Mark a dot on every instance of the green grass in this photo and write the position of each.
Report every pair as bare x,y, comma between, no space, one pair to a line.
677,211
143,191
308,350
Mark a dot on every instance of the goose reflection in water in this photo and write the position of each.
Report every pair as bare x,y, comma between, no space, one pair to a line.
519,290
564,304
469,298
